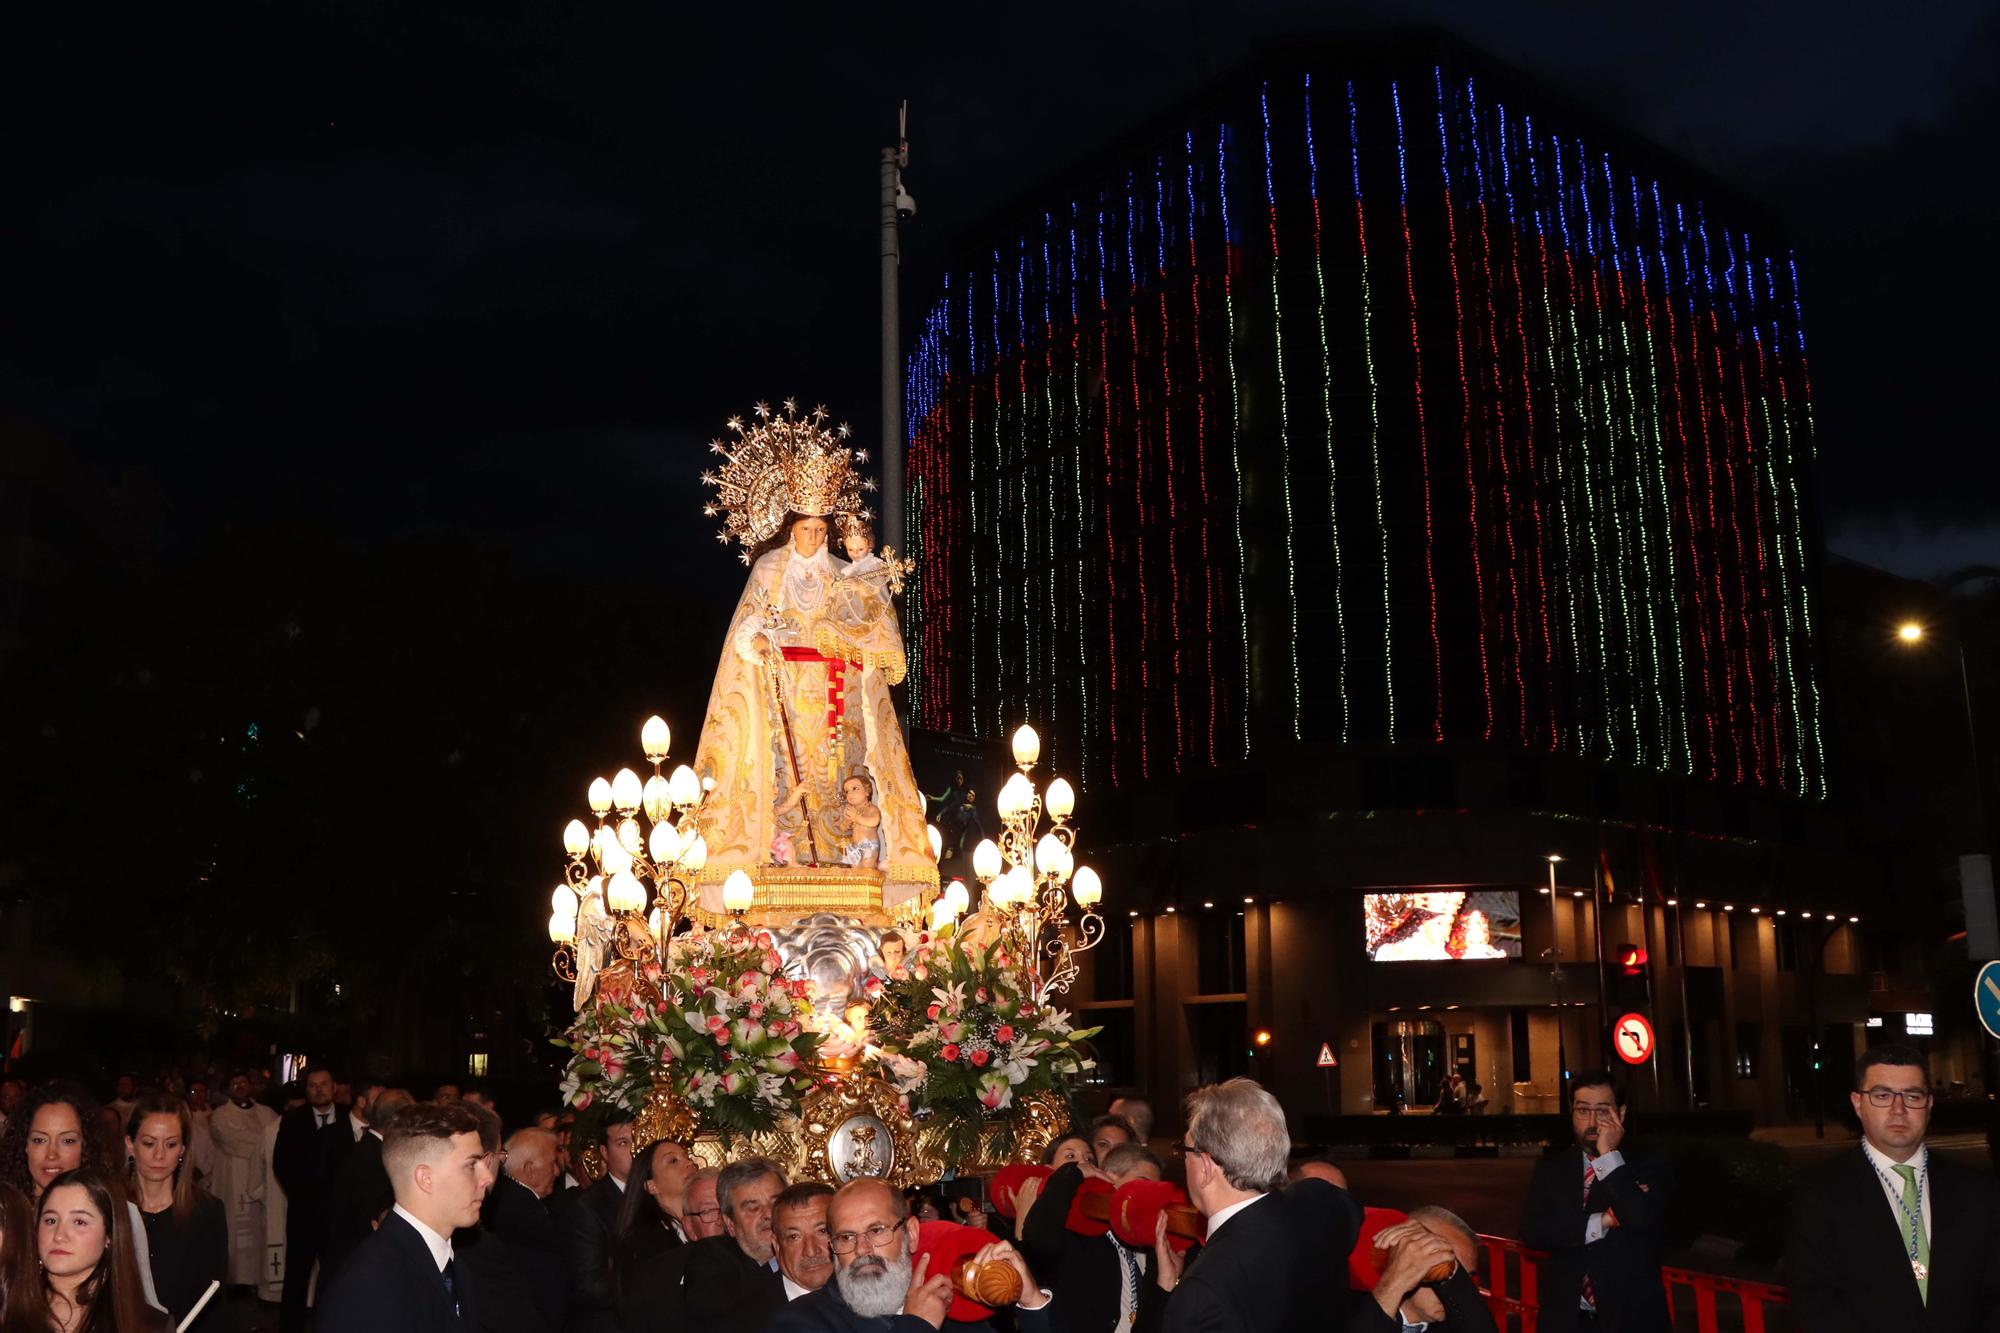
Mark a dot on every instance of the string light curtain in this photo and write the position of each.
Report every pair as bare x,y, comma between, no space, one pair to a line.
1375,411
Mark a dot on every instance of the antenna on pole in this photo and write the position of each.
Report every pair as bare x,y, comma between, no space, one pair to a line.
897,208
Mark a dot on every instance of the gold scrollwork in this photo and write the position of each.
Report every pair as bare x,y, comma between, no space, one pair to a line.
866,1108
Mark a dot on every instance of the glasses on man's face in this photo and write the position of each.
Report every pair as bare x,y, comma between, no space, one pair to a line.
1183,1151
708,1214
877,1236
1586,1111
1914,1098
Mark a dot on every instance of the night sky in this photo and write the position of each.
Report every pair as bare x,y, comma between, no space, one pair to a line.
497,271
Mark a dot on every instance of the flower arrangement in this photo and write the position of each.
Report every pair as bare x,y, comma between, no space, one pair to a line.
962,1035
724,1031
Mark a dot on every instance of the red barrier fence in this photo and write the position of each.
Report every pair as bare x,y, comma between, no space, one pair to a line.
1513,1276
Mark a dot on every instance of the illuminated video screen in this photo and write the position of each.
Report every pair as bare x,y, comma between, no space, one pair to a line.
1443,925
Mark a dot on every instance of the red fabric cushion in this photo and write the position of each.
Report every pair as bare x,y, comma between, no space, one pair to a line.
1079,1220
1364,1261
1135,1212
950,1244
1010,1178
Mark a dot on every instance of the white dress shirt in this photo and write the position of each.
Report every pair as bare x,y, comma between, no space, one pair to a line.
440,1246
1892,1184
1593,1228
1215,1222
792,1289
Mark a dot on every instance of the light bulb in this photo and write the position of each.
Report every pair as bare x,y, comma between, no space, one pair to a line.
666,843
1086,888
653,738
625,790
563,900
695,855
684,788
615,859
656,921
1027,745
986,860
940,914
657,798
623,893
562,929
957,897
937,840
629,836
1059,800
1016,796
738,892
576,838
600,795
1049,854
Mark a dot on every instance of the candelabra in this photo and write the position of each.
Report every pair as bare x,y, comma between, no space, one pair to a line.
1031,875
630,880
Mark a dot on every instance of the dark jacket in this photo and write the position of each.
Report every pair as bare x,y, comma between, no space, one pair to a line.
307,1162
726,1291
1464,1310
1279,1266
588,1219
1084,1272
515,1257
823,1311
361,1194
188,1255
1624,1267
1849,1264
390,1284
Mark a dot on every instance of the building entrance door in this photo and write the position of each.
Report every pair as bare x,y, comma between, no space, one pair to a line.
1409,1064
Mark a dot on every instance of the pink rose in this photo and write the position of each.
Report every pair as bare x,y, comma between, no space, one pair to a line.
922,972
1005,1033
979,1058
950,1054
584,1099
932,1012
772,961
756,1009
1027,1010
981,995
716,1023
951,1031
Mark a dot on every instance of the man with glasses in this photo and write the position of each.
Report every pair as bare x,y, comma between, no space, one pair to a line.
1894,1235
1275,1261
880,1287
731,1281
1597,1207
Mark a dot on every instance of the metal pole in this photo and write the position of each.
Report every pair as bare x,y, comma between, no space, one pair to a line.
1597,896
1556,974
1681,952
1972,735
892,364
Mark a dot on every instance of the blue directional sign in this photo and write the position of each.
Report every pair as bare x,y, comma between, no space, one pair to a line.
1986,996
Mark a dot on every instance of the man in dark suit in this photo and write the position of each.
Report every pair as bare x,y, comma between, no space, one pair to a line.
877,1285
1891,1236
515,1255
1276,1258
1404,1298
361,1194
732,1283
313,1141
405,1278
1097,1278
1598,1208
589,1219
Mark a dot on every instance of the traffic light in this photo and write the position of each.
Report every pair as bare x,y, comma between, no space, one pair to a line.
1631,978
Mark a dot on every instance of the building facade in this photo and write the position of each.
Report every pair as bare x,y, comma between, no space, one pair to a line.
1372,477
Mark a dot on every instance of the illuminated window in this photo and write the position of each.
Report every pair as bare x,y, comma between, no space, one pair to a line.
475,1064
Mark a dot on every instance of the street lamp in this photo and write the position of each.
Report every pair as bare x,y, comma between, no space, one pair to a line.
1556,976
1032,877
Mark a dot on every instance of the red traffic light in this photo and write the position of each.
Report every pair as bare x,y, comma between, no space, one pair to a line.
1631,959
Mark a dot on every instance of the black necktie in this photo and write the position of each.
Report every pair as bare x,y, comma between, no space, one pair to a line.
451,1282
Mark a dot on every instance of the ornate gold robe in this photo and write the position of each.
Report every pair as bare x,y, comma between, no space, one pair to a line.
840,651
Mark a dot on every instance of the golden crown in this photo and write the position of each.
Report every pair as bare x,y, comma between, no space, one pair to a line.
780,465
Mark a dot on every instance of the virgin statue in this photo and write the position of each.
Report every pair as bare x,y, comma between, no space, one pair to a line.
801,737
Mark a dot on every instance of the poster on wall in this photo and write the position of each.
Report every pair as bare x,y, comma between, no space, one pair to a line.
1442,925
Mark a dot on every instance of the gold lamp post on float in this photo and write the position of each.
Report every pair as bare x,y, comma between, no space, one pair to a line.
1031,875
630,880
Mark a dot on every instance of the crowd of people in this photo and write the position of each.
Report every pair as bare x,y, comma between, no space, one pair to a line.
432,1216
